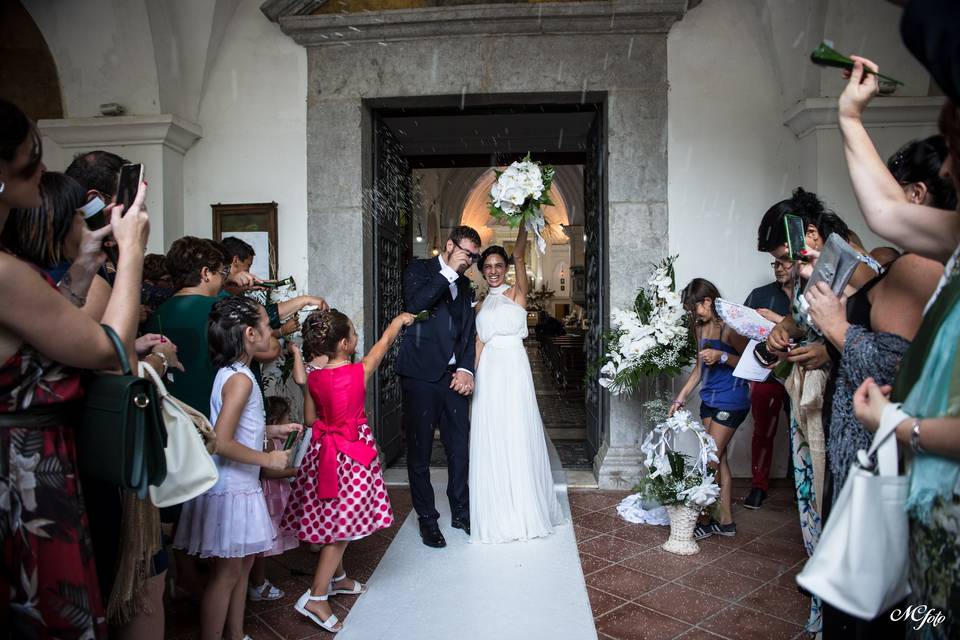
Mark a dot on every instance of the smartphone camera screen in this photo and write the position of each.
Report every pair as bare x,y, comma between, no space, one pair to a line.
796,233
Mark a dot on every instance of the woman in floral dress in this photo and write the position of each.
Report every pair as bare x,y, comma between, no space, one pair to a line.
47,572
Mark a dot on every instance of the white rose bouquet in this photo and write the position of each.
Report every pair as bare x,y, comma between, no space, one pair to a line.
518,193
649,340
675,478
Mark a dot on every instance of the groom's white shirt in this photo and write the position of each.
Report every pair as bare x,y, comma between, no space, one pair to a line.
447,272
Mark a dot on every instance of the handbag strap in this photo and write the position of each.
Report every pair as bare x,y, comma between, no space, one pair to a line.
884,444
119,348
151,373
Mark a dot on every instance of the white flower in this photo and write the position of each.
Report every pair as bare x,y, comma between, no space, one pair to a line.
701,495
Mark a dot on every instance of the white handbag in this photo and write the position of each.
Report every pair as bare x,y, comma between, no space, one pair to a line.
190,469
860,564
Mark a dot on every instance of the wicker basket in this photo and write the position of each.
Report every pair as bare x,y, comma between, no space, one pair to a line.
682,521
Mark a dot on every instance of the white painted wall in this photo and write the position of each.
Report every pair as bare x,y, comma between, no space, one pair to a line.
253,149
730,158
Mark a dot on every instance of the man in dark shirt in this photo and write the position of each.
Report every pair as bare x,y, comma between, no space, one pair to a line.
772,301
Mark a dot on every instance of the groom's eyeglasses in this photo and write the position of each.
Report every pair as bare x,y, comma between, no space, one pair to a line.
473,256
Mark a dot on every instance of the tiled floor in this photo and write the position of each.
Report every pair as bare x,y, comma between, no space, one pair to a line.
735,588
293,572
740,588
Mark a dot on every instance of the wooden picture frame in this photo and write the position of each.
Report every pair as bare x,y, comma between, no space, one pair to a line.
253,218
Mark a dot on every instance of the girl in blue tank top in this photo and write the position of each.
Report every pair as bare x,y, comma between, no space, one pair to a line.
724,399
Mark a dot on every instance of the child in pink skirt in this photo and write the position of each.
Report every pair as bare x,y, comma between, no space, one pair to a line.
338,494
276,491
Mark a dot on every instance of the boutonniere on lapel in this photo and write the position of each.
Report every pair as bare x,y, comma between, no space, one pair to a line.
473,293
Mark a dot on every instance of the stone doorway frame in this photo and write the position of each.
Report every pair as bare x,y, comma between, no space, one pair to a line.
615,47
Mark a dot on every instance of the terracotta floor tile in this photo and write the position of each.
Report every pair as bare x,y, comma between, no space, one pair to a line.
751,565
740,623
697,633
643,534
599,521
789,532
594,500
664,565
258,630
778,550
623,582
719,583
681,602
610,548
711,550
788,579
779,602
289,624
582,534
633,622
601,602
589,563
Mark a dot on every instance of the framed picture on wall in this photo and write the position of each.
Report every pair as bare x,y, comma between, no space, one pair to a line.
255,224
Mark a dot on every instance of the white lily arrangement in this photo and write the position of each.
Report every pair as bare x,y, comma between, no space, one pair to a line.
675,478
517,195
649,340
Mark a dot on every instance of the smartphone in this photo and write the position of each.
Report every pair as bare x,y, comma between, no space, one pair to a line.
796,236
131,175
291,438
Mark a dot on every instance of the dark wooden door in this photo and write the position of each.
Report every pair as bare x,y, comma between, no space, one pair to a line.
594,201
391,204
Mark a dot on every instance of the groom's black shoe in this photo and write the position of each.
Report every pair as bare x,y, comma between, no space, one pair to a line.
461,522
430,533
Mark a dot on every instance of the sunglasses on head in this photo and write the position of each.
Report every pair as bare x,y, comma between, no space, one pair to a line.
36,155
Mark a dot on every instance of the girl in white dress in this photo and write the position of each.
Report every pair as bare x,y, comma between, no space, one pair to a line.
230,522
511,484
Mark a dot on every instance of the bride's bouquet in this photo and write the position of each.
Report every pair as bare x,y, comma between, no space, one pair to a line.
518,193
676,478
649,340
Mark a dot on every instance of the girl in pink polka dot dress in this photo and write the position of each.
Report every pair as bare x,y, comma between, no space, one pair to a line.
338,494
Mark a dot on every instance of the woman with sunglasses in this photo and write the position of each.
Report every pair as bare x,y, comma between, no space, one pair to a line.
48,574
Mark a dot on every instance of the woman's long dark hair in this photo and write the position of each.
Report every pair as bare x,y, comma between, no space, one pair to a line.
920,161
38,234
694,293
228,319
771,232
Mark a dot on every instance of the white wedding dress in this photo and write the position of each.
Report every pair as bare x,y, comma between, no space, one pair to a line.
511,485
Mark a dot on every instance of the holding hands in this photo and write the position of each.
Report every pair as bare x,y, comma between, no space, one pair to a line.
462,383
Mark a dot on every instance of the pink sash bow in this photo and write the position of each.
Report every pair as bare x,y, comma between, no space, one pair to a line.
343,438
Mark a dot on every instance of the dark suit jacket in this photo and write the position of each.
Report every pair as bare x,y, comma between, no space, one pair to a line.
428,345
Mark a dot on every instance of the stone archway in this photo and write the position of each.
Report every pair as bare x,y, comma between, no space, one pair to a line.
480,55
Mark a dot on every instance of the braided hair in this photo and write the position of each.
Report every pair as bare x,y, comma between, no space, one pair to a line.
322,332
228,319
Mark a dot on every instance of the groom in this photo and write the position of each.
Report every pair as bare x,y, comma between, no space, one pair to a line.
435,364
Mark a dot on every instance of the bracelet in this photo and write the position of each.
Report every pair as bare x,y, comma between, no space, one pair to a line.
915,437
78,300
163,361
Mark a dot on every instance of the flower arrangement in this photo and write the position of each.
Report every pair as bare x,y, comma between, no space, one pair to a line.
649,340
517,195
675,478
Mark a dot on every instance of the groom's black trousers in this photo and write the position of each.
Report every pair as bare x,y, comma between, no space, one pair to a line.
425,406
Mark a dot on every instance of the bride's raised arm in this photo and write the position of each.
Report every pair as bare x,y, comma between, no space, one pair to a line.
522,287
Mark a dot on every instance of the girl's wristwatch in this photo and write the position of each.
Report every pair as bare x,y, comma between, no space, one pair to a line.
724,357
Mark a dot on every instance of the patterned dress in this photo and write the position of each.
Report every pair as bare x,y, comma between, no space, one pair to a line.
48,578
338,493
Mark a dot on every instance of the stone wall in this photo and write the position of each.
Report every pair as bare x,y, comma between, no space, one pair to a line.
462,53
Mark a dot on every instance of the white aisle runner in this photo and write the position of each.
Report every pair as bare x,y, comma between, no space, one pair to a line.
519,591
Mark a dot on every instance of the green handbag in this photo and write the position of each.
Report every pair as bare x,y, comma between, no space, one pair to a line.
122,436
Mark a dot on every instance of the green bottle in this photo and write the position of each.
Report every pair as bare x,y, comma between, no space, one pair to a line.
276,284
825,56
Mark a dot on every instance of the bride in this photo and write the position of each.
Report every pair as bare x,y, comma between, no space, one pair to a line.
511,485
